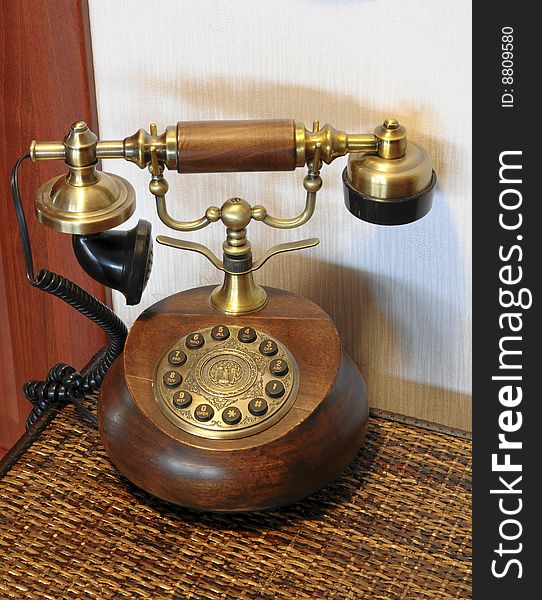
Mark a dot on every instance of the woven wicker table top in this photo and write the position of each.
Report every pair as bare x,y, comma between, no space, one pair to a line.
395,525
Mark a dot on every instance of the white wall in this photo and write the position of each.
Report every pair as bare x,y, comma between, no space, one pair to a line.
400,295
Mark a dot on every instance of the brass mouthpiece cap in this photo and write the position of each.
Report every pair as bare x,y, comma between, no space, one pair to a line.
389,191
70,205
84,201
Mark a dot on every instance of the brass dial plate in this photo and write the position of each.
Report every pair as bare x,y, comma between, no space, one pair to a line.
221,389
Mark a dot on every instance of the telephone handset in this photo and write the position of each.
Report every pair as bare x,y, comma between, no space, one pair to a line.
232,398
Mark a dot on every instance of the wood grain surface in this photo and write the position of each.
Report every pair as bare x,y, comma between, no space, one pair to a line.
222,146
47,81
308,447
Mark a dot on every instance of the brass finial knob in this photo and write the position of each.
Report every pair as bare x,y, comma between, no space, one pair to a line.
391,124
391,139
79,126
80,144
236,213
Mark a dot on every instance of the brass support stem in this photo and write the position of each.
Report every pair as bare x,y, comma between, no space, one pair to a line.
238,295
236,244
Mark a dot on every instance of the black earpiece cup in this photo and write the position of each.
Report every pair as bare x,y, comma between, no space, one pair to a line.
137,270
121,260
397,211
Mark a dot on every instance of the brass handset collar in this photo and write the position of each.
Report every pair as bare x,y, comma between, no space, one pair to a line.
86,200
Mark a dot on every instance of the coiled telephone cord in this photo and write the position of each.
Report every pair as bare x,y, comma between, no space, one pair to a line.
64,383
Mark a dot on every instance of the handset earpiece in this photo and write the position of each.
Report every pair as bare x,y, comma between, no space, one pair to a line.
393,186
121,260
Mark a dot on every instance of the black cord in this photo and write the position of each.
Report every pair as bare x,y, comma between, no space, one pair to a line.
64,383
21,219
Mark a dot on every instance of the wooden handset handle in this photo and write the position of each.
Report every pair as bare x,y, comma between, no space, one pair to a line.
229,146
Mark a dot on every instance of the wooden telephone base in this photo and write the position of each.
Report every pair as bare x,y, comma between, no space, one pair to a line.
305,449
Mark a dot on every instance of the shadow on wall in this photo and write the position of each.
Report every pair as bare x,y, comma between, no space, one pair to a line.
383,347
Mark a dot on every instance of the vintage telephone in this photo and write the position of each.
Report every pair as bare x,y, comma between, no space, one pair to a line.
231,398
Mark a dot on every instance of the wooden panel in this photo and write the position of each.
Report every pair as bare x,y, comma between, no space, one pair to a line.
47,81
9,413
